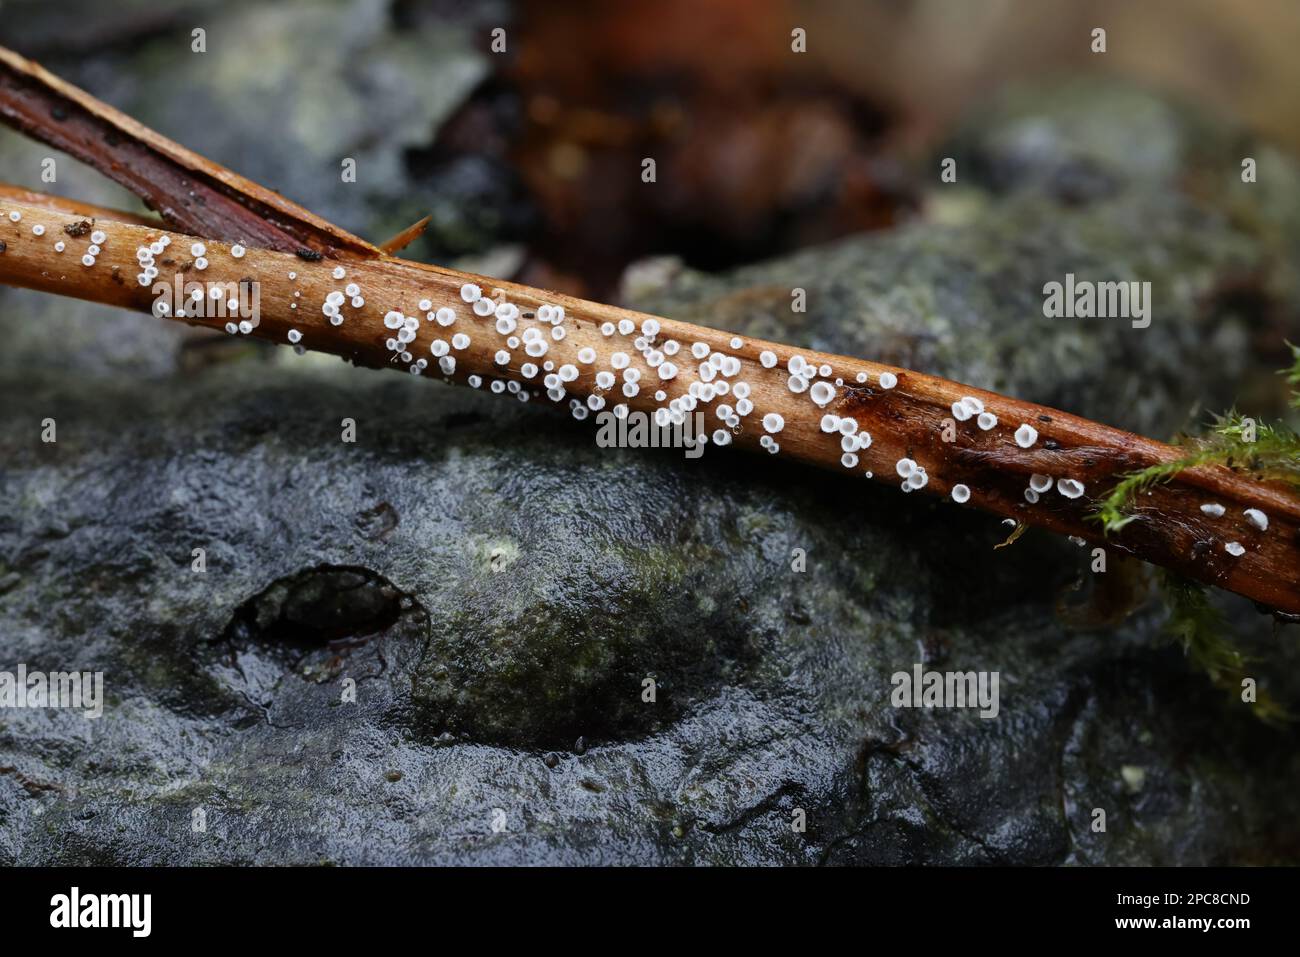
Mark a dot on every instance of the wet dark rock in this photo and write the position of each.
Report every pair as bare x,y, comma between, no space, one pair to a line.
559,621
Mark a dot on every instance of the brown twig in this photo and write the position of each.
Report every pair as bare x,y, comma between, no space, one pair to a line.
911,417
17,194
191,193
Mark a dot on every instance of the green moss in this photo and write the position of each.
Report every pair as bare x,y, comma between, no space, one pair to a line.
1293,375
1268,451
1200,629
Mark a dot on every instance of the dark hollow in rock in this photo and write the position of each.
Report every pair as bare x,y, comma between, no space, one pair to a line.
328,605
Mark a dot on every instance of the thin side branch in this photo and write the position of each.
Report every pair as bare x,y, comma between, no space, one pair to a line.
192,194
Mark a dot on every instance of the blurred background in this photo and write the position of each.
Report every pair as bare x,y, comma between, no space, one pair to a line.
529,160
